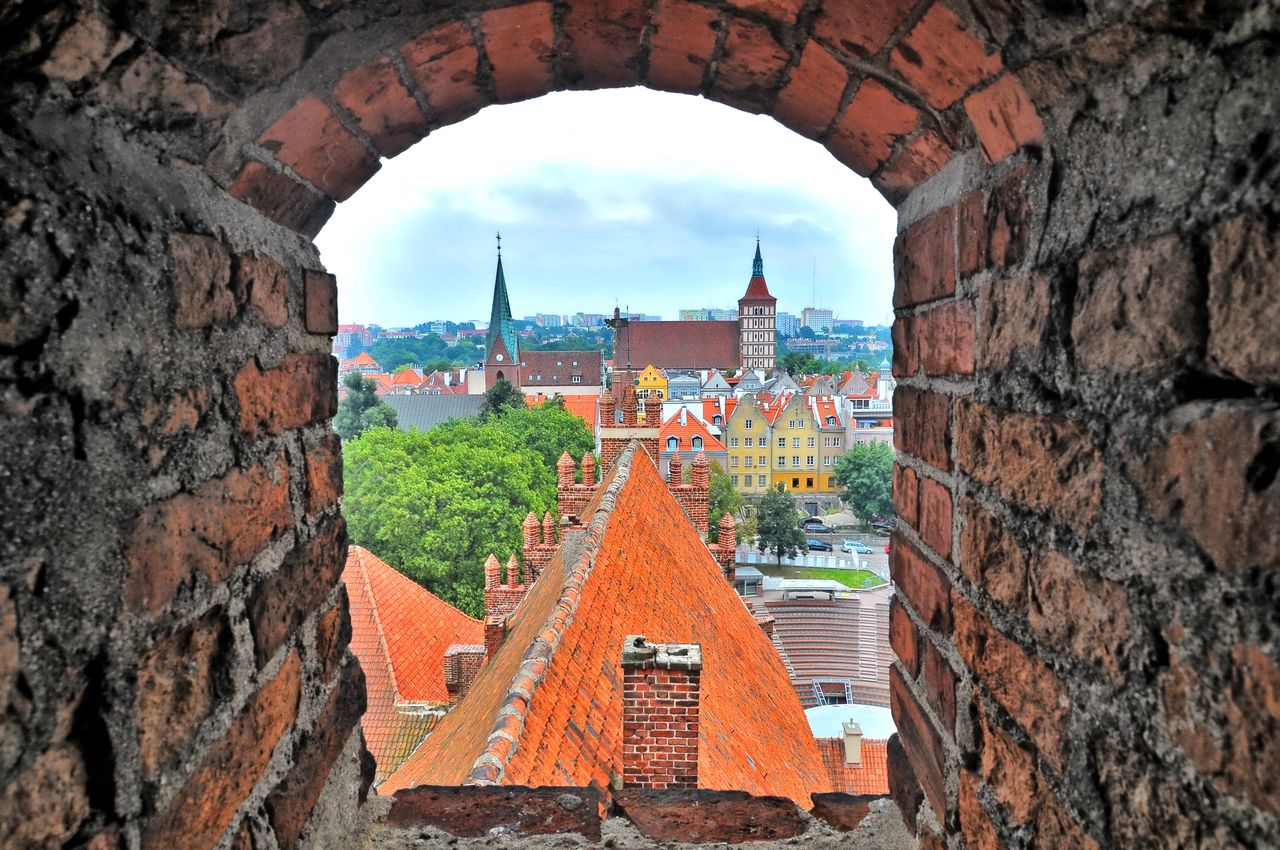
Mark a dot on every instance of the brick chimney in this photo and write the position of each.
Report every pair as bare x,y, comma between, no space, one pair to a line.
462,663
495,631
615,436
725,550
539,545
852,742
501,599
571,497
660,692
675,471
653,411
608,411
695,497
589,469
630,407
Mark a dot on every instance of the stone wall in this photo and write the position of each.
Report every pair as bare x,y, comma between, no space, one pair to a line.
1086,343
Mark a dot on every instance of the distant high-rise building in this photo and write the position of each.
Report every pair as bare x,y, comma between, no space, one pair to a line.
698,314
788,324
817,318
588,320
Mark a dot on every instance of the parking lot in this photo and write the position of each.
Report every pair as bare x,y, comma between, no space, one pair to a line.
877,561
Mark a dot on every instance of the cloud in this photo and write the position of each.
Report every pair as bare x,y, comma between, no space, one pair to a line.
644,199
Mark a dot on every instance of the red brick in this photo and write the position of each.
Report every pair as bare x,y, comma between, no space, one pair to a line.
692,816
44,804
478,811
602,41
862,29
179,682
291,802
975,824
906,356
971,234
387,113
10,646
300,391
923,425
750,67
871,124
324,473
263,284
221,525
181,412
1004,118
1034,697
922,584
1048,464
680,47
280,604
915,162
921,741
518,41
935,516
1081,613
991,558
1009,770
1244,314
924,260
333,634
311,140
443,62
1009,219
199,814
784,11
906,495
1231,731
1137,307
808,102
903,787
941,59
940,685
282,199
945,339
320,300
903,637
1013,319
201,281
1213,477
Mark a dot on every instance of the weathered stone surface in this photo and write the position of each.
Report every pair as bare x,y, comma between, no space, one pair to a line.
301,390
680,49
43,805
1244,315
475,810
1004,118
263,284
311,140
843,811
903,787
201,281
942,59
320,297
278,606
700,817
1013,318
922,743
281,198
385,109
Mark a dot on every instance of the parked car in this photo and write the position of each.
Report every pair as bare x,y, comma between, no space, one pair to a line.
811,520
819,545
818,528
856,547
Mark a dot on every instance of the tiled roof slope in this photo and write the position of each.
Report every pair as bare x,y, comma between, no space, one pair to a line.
400,632
679,345
643,571
869,777
425,412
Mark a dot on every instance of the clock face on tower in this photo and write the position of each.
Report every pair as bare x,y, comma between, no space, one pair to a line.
498,357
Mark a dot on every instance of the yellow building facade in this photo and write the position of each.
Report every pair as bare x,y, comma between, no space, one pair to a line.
796,442
746,437
652,381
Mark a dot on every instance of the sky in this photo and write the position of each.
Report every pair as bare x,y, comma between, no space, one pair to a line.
626,197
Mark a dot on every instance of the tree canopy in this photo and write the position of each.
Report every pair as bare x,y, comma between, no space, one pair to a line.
778,524
796,363
434,505
500,398
865,473
361,409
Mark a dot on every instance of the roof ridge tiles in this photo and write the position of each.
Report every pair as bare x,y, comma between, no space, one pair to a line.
490,765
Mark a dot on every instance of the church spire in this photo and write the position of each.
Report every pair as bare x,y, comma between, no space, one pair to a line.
757,265
500,316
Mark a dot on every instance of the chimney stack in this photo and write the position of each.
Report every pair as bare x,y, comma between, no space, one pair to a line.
589,469
852,742
653,410
502,598
462,663
675,470
660,693
495,631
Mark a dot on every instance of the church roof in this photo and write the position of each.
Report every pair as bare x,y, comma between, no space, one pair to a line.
679,345
757,289
500,315
547,709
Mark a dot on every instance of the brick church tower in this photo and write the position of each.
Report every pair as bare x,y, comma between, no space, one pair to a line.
758,321
501,354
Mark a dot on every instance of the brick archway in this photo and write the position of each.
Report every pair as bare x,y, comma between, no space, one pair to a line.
1085,343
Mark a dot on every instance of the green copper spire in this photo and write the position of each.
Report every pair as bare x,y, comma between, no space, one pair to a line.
757,265
500,315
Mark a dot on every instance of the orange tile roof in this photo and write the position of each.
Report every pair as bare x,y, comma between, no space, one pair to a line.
408,376
721,405
869,777
400,632
364,358
644,571
686,431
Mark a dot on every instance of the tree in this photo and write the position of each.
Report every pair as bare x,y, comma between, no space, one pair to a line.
362,408
796,363
806,332
866,474
547,431
724,499
502,396
778,525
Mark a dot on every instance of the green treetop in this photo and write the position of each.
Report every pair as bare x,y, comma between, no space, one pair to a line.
778,524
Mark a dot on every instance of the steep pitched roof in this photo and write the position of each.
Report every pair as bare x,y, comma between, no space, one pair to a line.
558,368
555,685
679,345
684,426
500,325
400,632
757,289
871,776
406,378
364,358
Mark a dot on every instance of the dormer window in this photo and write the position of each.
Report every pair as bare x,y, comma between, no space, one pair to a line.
697,443
717,419
672,444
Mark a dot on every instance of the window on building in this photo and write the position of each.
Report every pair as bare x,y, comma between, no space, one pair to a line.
733,442
697,443
795,483
809,460
831,481
835,441
733,462
750,442
748,461
831,420
761,480
559,362
763,462
782,442
717,419
826,461
812,442
672,444
782,460
577,379
795,460
747,424
808,482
